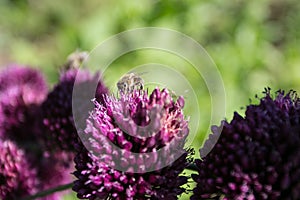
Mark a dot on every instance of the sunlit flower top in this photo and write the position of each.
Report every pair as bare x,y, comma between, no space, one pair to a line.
256,156
136,148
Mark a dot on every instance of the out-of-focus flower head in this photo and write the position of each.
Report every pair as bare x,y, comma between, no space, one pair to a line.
57,112
17,178
136,148
54,169
256,156
22,89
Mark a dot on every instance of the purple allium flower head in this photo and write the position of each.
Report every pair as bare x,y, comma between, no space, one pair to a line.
17,179
57,109
256,156
136,148
22,89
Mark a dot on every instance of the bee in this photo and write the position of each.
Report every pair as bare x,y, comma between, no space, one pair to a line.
75,59
130,82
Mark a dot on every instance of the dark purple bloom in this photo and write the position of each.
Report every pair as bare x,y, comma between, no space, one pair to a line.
57,117
256,156
136,148
17,178
54,169
22,89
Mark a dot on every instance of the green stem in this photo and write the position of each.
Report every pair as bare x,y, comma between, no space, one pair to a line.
49,191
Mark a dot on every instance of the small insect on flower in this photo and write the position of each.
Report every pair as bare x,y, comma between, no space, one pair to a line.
130,82
75,59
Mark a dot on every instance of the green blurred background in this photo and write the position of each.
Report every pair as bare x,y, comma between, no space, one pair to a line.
255,44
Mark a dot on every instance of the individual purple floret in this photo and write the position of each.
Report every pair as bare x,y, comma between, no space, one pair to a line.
256,156
17,178
136,148
22,89
57,112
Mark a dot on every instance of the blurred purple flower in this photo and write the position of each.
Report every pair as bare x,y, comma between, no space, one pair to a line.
256,157
57,117
137,148
17,178
22,89
54,169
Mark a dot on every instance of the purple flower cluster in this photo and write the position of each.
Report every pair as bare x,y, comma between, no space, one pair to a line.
256,156
57,109
22,89
26,167
133,146
17,178
136,148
